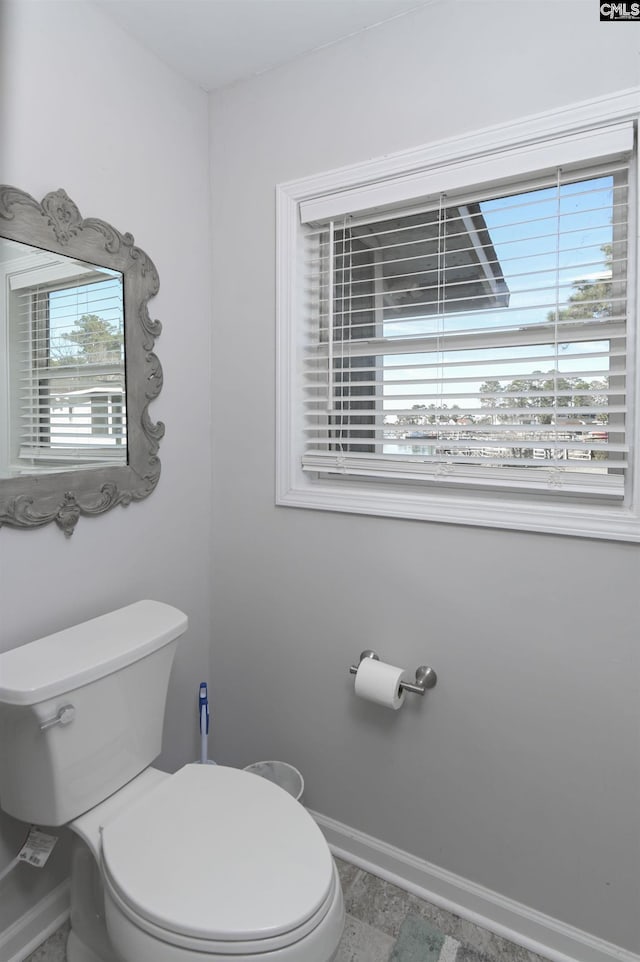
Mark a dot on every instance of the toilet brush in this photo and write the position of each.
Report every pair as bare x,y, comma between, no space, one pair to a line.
203,708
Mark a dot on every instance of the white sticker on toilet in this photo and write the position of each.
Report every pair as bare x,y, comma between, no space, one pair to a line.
37,848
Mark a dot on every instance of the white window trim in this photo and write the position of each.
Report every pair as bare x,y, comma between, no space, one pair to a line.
313,194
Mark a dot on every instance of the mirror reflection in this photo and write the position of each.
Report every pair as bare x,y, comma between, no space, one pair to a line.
62,356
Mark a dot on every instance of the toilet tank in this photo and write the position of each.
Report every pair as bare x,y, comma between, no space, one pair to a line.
81,711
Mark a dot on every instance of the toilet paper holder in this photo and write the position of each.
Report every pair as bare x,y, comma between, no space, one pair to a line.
425,677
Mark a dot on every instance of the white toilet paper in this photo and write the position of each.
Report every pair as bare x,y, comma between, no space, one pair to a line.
376,681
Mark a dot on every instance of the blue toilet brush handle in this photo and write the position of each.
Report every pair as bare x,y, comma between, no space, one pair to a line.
203,704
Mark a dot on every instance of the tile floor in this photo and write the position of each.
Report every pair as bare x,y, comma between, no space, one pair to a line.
385,924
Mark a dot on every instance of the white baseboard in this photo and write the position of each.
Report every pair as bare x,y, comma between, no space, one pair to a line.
36,925
539,933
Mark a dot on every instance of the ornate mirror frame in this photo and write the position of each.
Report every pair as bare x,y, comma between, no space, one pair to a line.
56,225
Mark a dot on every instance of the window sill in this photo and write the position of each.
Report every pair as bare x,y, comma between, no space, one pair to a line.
603,522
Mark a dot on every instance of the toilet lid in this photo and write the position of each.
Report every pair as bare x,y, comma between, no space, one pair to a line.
218,853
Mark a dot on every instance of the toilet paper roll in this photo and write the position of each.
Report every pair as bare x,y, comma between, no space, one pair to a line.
376,681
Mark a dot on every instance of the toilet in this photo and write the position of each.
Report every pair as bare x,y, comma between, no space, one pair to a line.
208,864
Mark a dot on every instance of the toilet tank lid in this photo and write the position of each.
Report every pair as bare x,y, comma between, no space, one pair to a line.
83,653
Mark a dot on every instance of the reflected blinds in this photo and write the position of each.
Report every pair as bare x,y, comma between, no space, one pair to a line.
69,372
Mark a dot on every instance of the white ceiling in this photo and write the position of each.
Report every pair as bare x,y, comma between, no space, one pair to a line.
216,42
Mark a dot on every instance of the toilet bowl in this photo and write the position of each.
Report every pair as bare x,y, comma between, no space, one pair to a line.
211,863
208,864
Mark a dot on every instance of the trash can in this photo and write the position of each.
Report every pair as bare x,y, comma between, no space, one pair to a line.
282,774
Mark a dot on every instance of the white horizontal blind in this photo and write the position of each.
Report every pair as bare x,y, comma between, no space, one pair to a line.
71,379
475,339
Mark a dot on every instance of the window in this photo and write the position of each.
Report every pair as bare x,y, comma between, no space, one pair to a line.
65,341
457,340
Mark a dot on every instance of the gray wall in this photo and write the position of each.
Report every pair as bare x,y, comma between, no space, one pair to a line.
85,108
521,771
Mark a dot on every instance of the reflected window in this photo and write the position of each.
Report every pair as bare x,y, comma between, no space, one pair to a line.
64,331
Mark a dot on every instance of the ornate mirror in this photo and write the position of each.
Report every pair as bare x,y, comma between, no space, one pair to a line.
77,366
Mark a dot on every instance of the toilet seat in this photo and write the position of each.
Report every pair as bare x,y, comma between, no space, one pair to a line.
159,870
331,914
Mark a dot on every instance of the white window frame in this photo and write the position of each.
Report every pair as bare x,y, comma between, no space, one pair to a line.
495,154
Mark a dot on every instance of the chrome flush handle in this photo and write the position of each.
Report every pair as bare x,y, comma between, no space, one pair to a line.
64,716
